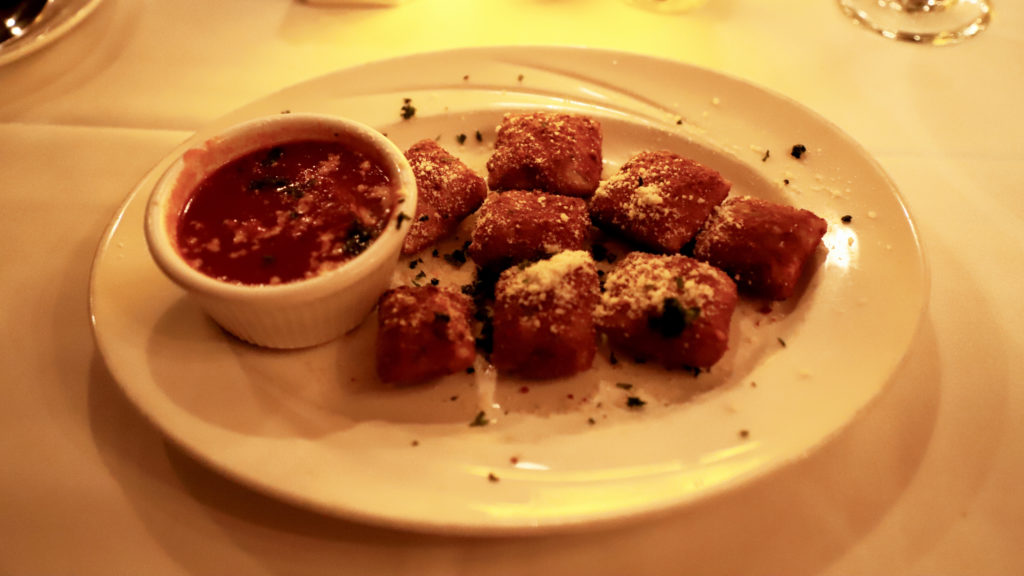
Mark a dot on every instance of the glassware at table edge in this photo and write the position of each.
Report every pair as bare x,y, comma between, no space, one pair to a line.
936,22
57,19
667,6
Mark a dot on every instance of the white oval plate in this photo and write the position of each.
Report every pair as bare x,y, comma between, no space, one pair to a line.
316,428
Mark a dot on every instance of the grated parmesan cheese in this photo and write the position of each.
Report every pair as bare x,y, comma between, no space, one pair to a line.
537,280
643,282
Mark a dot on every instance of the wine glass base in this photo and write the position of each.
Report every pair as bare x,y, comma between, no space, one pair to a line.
922,21
667,6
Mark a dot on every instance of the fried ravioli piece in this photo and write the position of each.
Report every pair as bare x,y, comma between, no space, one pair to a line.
517,225
424,332
543,317
448,191
658,200
554,152
668,308
764,246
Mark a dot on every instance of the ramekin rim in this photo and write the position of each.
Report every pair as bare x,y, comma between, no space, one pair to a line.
348,273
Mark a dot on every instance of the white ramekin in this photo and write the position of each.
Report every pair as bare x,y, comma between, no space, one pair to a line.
294,314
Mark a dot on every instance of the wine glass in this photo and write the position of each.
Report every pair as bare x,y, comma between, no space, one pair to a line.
923,21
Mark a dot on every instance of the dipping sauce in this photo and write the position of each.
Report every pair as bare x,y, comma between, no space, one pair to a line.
284,213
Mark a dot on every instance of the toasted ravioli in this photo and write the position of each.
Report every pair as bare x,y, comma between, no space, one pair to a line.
543,317
554,152
658,200
516,226
668,308
424,332
764,246
448,192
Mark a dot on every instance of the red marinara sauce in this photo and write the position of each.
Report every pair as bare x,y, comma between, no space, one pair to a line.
285,213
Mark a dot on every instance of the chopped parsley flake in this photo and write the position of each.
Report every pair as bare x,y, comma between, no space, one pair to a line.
359,239
480,420
624,385
674,318
457,257
461,138
634,402
419,276
847,219
798,151
782,342
767,154
408,110
492,477
297,189
261,183
273,155
402,217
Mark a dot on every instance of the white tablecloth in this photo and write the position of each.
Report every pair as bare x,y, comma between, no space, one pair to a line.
928,481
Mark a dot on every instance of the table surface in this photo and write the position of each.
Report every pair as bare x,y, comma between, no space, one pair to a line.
927,481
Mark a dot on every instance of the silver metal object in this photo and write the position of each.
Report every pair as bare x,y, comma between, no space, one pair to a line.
17,15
